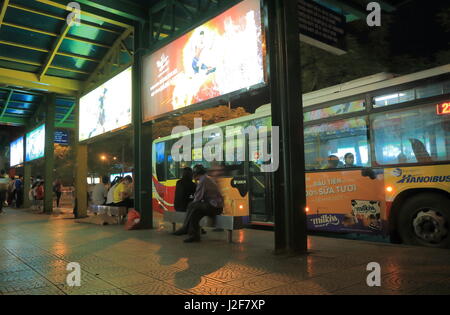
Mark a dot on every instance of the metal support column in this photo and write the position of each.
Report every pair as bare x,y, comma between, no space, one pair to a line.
49,162
81,170
286,99
142,137
26,185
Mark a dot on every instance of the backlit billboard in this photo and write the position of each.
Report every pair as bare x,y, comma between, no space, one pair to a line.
16,152
221,56
35,144
106,108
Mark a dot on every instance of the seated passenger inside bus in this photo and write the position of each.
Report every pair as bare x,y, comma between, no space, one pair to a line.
349,160
333,162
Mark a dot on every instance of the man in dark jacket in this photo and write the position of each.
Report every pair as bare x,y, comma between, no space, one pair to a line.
185,190
208,201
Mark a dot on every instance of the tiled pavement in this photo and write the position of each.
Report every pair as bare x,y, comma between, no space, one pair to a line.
35,250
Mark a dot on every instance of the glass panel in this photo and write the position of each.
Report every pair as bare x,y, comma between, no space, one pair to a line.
446,87
160,158
416,135
429,90
336,110
173,169
333,145
393,98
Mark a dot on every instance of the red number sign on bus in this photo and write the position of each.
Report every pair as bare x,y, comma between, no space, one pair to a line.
443,108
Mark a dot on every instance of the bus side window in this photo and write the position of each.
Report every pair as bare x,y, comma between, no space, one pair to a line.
416,135
173,167
160,161
326,145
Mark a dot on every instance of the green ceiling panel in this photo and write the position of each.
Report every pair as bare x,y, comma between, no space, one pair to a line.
34,21
83,49
92,34
16,35
74,63
66,74
23,54
18,66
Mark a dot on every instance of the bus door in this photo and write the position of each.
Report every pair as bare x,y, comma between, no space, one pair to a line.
260,189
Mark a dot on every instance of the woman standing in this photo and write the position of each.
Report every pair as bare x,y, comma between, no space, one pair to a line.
57,188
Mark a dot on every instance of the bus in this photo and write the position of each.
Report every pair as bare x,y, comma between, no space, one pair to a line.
377,160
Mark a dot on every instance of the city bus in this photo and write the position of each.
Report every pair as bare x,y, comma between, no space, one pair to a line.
377,160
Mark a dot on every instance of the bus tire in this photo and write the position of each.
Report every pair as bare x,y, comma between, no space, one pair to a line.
424,219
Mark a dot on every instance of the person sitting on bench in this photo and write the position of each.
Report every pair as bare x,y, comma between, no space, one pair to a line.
123,193
208,201
184,191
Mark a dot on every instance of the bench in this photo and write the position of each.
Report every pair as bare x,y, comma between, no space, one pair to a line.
119,212
229,223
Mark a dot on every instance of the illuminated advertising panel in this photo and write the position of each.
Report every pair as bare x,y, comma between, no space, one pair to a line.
35,141
16,152
221,56
106,108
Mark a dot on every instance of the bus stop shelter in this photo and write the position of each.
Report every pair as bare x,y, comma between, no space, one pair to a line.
51,54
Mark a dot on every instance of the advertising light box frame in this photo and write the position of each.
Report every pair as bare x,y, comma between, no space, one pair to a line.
19,158
222,57
31,146
107,116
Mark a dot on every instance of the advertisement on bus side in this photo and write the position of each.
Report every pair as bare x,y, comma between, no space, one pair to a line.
403,178
345,201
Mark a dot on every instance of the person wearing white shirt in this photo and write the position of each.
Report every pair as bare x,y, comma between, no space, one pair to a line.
100,192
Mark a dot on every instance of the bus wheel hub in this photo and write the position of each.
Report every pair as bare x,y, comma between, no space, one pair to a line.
429,225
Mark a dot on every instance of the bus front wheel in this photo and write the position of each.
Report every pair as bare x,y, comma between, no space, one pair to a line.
424,219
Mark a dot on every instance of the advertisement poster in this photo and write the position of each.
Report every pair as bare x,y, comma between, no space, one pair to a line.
345,202
35,141
16,152
221,56
106,108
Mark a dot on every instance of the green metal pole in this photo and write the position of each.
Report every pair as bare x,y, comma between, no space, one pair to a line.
80,169
26,185
286,99
142,137
49,162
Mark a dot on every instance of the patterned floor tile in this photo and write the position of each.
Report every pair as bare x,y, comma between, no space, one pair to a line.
101,292
39,291
129,280
219,289
23,285
115,261
192,282
364,289
154,288
256,284
87,286
297,288
19,276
